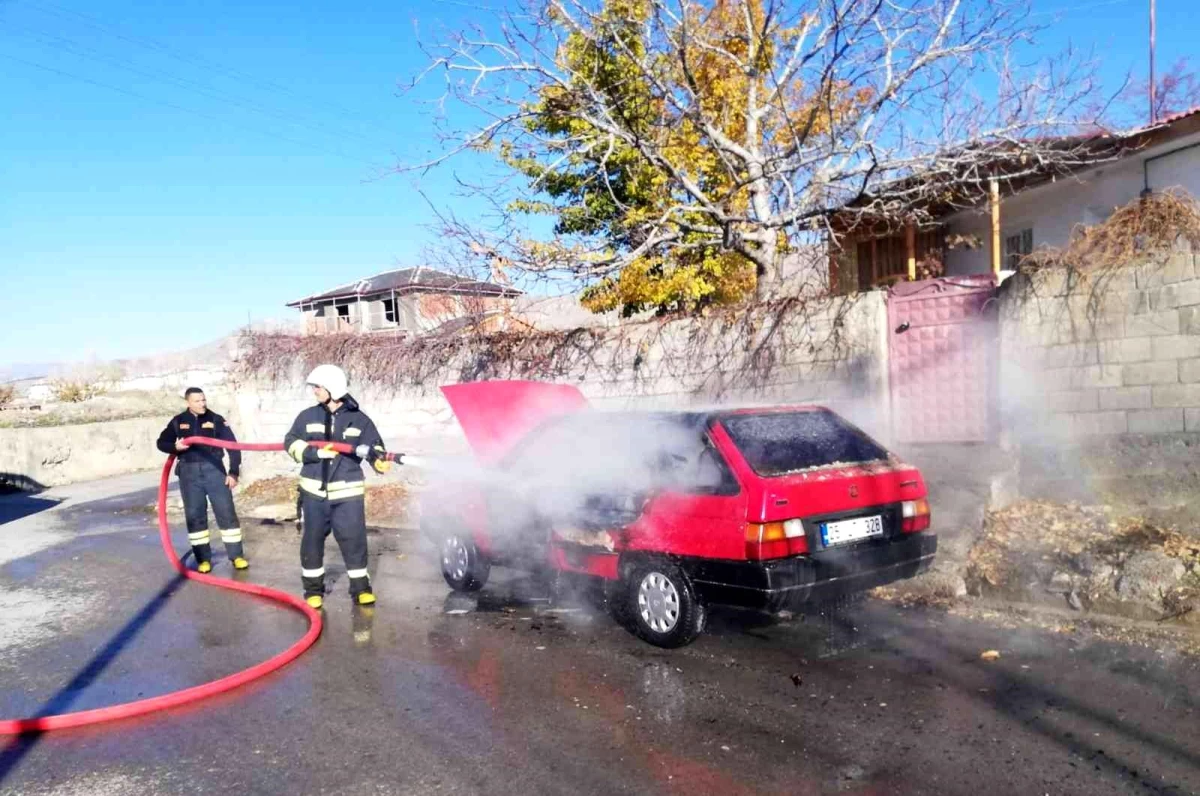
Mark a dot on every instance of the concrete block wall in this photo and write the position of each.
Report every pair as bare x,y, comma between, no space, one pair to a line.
68,454
1104,353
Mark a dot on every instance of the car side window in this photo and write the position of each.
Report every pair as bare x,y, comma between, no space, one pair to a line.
707,473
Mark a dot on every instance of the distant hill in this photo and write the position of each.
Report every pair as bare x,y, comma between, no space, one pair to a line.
25,370
210,356
215,354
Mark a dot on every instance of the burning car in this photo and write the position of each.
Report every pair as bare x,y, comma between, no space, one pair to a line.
760,508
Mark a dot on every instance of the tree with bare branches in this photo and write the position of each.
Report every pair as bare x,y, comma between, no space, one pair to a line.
685,149
1176,91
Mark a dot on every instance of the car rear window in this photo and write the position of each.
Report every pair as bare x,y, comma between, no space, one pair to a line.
778,443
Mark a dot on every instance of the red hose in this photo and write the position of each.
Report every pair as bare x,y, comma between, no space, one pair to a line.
198,692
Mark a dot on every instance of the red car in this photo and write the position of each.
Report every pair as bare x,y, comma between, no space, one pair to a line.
761,508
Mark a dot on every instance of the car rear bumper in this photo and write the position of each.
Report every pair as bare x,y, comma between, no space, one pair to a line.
790,582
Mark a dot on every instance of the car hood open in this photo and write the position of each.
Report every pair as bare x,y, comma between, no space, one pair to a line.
495,415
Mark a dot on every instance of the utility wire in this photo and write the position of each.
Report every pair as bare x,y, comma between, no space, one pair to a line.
173,106
1083,7
69,45
197,60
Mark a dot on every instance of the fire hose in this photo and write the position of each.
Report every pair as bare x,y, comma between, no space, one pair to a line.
228,683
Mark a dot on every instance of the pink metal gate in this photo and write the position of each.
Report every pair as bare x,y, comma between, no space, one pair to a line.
941,353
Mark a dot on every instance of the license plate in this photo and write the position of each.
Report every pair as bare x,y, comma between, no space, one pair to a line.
833,533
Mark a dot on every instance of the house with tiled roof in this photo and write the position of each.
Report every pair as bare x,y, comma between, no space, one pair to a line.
1016,216
404,301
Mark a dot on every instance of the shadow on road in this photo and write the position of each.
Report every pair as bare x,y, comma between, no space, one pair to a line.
20,746
17,497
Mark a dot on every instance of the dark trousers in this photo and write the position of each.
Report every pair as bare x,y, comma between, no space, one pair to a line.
347,520
201,483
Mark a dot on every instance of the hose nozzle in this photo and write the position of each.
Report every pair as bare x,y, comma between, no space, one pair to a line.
365,452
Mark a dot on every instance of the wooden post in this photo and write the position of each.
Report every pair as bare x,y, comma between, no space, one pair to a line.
1153,110
910,247
994,202
874,262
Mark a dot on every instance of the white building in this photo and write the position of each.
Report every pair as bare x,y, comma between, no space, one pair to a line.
1042,212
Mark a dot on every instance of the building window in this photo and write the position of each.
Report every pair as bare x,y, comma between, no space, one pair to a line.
884,261
343,310
389,310
1017,246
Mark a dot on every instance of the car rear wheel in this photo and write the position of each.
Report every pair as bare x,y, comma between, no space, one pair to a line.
464,566
661,605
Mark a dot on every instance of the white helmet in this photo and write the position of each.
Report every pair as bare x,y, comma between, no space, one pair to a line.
332,378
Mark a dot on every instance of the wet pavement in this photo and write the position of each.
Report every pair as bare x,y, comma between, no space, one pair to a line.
512,693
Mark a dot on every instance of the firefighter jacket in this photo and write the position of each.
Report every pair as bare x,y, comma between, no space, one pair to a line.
210,424
341,476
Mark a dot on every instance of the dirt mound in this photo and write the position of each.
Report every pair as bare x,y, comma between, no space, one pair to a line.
1088,556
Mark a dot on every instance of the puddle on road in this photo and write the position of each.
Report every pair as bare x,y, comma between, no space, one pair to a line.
824,631
527,603
518,595
664,694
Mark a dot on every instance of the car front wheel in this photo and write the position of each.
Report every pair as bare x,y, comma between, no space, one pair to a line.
464,566
661,605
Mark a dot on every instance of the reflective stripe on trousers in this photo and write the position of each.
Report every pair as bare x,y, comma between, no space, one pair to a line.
346,520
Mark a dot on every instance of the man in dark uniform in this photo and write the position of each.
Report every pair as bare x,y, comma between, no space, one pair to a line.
203,479
331,484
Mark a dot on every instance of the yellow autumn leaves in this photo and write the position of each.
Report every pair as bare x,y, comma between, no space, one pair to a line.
639,148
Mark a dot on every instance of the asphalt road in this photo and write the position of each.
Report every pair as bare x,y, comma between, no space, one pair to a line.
514,694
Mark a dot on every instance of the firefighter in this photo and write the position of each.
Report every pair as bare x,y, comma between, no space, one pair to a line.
203,479
331,483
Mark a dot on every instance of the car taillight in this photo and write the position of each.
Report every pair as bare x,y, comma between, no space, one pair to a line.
916,515
775,540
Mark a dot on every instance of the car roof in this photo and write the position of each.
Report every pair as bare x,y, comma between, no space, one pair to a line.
774,410
688,418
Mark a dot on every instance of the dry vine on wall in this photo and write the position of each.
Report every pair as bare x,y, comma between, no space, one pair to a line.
723,352
1097,261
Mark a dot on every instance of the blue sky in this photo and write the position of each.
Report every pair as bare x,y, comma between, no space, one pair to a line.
226,157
